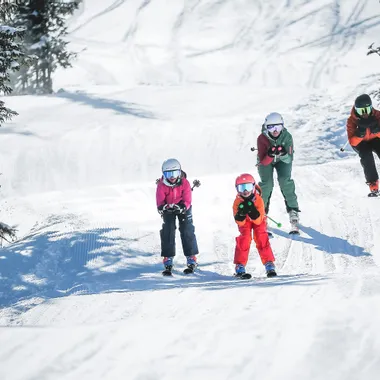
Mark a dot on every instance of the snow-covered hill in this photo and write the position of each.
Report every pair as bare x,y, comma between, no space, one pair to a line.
81,293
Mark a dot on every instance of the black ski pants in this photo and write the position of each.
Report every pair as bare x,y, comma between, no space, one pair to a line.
365,150
186,229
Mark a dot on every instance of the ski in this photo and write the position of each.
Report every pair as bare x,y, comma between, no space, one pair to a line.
243,276
373,195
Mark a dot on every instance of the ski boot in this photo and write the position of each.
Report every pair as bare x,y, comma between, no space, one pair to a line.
294,220
168,264
374,189
191,264
270,268
240,272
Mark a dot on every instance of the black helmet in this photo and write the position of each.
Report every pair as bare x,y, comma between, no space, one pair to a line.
363,101
363,105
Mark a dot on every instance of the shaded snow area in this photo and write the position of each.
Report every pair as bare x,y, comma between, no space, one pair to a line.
81,290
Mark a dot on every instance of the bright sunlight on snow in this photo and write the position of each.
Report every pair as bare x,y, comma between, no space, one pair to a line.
81,291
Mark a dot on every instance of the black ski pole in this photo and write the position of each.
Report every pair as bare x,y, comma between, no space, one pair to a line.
196,183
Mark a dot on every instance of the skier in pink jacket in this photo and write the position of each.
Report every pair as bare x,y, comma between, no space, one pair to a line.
173,197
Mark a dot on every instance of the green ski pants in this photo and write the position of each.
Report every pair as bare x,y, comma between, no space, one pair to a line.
287,186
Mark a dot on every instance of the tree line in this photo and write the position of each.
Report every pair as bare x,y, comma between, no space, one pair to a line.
32,46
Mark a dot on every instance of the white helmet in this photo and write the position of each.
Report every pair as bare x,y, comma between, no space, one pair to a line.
171,164
171,170
274,118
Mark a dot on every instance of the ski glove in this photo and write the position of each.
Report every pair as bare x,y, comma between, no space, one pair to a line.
277,150
272,151
245,208
251,209
181,208
177,209
253,213
360,131
281,150
241,212
161,209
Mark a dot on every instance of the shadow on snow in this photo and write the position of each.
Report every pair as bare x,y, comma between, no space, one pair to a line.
117,106
325,243
52,264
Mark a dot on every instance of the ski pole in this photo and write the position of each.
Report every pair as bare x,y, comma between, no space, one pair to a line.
196,183
253,149
279,225
343,147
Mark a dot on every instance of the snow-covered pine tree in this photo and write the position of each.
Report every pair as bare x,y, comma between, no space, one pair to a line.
45,22
11,57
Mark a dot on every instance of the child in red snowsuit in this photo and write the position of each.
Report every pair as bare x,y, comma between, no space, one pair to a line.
249,214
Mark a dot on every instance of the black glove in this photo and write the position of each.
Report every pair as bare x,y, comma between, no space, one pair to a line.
360,131
180,208
241,212
272,151
280,150
253,213
161,209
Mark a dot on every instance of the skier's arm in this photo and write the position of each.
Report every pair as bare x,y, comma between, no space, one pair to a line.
240,221
353,139
259,204
186,193
289,148
263,145
160,194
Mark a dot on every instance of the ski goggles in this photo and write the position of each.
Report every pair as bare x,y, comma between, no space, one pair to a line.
172,174
275,127
363,110
245,186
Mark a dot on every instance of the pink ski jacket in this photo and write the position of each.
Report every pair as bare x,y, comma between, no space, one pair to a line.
168,195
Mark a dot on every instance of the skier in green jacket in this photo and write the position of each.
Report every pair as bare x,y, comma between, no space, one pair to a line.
275,152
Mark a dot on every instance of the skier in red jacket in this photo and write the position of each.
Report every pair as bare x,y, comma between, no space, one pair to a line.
249,214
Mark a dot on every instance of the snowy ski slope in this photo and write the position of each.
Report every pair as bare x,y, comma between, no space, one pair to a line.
81,295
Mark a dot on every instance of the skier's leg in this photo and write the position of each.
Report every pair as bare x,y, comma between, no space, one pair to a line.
243,244
263,246
287,186
364,149
375,144
266,183
187,230
167,235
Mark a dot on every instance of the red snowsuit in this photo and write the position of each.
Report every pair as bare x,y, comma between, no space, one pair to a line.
260,234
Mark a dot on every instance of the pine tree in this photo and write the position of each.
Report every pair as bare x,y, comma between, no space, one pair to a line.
45,22
11,57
